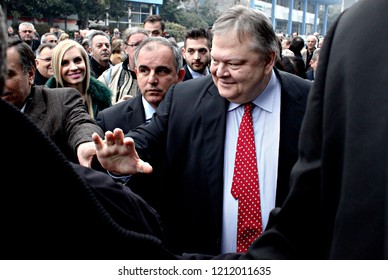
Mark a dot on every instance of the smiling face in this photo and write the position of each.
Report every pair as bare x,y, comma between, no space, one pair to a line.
73,68
239,71
43,62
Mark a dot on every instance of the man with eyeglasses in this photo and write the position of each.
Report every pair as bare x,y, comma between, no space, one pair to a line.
26,34
121,78
44,70
49,38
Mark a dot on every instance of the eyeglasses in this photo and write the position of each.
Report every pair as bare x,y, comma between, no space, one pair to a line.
47,59
134,44
53,41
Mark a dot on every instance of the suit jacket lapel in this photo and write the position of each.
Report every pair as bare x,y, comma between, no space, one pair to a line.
135,114
37,109
214,124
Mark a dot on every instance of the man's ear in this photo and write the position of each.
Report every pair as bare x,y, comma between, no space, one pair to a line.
181,74
31,76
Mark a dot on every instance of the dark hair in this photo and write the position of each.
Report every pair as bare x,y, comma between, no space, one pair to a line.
27,57
297,44
155,18
197,33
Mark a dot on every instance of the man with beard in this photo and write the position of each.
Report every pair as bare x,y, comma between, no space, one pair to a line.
196,52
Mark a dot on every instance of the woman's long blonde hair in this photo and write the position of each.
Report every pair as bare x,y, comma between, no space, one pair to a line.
57,57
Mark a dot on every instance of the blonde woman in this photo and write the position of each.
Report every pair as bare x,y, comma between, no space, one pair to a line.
71,68
63,37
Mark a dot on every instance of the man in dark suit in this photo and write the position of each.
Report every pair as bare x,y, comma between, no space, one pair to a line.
196,52
310,74
58,112
155,54
27,33
160,66
194,134
337,207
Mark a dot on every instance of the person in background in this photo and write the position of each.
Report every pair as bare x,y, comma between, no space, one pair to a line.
155,25
106,30
121,78
11,32
26,34
56,31
71,69
44,69
314,64
64,36
307,53
99,50
286,42
192,136
116,34
118,55
196,52
297,45
77,36
49,38
320,42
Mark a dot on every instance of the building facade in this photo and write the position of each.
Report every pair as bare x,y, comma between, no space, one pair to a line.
300,16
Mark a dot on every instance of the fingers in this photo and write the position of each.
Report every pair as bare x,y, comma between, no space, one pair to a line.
144,167
118,136
97,141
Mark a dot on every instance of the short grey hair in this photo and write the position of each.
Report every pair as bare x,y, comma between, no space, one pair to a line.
27,24
94,33
176,50
133,30
248,23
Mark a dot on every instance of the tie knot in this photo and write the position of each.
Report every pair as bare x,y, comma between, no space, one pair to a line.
248,107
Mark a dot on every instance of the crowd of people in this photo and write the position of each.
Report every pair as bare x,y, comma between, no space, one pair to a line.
154,141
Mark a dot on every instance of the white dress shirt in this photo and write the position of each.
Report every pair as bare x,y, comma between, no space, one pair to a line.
148,109
266,122
196,74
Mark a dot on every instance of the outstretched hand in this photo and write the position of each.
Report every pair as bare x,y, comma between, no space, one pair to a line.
118,154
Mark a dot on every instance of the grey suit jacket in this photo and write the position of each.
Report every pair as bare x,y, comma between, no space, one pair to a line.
61,115
187,135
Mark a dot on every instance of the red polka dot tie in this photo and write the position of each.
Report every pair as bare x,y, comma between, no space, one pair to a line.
245,185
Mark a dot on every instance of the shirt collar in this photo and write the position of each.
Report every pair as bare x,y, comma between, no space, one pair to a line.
196,74
148,109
